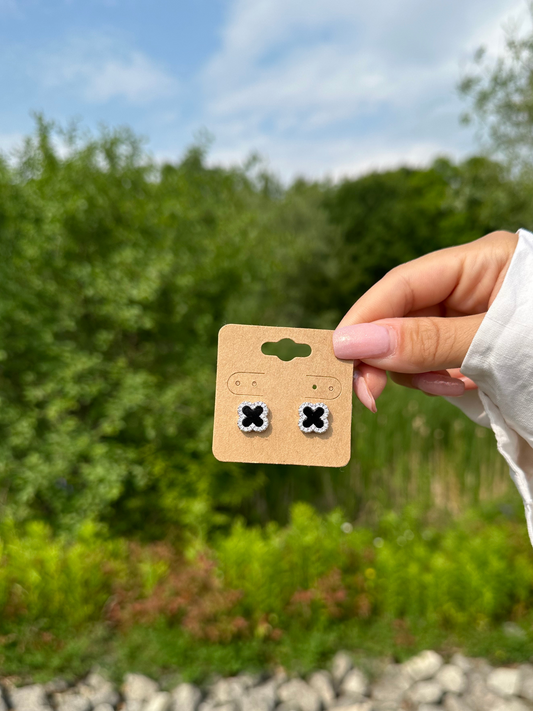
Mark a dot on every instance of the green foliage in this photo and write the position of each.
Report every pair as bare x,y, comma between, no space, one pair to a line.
115,277
288,595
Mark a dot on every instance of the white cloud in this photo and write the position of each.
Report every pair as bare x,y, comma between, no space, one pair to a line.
102,68
322,87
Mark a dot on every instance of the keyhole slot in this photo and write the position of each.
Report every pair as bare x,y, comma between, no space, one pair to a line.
286,349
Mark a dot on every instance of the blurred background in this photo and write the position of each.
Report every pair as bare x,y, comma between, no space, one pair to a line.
167,168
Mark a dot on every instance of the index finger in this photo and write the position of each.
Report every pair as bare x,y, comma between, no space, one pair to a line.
419,284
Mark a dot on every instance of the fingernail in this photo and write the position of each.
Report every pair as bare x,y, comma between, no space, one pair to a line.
365,340
363,393
437,384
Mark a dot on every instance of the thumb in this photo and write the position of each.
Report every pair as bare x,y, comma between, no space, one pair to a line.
408,345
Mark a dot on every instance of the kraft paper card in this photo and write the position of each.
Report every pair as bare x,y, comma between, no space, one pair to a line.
274,411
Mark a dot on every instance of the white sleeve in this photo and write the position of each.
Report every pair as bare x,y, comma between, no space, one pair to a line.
500,362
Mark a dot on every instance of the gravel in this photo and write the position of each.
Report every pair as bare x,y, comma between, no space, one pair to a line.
423,683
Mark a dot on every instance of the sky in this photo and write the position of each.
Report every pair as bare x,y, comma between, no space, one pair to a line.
320,88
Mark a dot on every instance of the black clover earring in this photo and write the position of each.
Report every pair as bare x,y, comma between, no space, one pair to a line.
313,417
253,416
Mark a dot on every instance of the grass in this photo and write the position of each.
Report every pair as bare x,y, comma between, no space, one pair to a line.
166,653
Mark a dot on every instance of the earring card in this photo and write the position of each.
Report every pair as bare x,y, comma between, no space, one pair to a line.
246,375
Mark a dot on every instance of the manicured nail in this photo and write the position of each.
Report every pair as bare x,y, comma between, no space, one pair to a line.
365,340
437,384
363,393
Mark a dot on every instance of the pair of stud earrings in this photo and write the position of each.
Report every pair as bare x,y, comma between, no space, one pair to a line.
312,417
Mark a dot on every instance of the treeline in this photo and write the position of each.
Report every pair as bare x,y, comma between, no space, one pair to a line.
116,274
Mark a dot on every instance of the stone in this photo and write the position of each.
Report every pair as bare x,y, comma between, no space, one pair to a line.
426,692
525,682
510,705
72,701
424,666
287,707
186,697
159,702
452,678
504,682
297,693
355,682
3,705
429,707
459,660
357,706
340,666
455,703
133,705
138,687
56,686
104,707
322,683
391,687
29,698
478,696
343,703
230,690
99,690
260,698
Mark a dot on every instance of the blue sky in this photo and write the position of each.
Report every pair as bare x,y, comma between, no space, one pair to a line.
318,87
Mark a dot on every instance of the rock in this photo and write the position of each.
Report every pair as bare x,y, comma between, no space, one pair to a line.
424,666
343,703
3,705
504,682
29,698
159,702
288,707
455,703
230,690
340,666
510,705
133,705
429,707
426,692
186,697
99,690
72,701
322,683
138,687
525,682
297,693
104,707
355,682
452,678
358,706
459,660
56,686
392,685
260,698
478,696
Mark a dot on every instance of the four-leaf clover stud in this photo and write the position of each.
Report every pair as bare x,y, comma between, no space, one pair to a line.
253,416
313,417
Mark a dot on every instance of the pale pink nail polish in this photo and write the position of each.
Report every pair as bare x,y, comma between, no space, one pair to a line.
364,340
436,384
363,393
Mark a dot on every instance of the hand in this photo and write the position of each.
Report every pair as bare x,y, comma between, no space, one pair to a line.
420,319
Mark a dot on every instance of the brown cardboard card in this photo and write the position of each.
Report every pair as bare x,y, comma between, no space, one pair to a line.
246,375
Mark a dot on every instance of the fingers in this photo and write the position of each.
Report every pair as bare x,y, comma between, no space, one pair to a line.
368,384
411,287
408,345
456,373
435,383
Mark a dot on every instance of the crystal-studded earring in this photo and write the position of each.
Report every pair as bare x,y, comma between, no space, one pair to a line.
313,417
253,416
